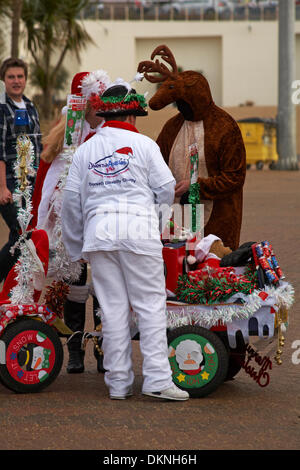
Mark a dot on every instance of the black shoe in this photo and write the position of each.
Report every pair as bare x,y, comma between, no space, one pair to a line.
99,358
75,364
74,316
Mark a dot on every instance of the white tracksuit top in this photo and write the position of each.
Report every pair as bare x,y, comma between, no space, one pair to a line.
115,175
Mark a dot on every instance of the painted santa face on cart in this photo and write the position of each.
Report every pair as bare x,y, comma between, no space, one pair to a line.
189,356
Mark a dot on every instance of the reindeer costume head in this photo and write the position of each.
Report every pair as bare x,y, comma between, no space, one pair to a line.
190,90
217,136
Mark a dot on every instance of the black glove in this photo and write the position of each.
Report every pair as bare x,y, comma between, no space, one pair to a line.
239,257
184,198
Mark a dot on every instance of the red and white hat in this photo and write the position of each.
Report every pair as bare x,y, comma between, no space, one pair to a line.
203,247
89,83
76,83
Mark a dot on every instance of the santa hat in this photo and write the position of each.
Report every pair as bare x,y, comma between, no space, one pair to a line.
203,247
76,83
75,88
87,84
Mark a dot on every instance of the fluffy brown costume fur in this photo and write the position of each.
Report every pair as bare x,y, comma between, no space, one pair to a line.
224,149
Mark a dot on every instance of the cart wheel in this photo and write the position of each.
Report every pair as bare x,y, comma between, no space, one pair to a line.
198,359
248,166
272,165
33,356
259,165
236,355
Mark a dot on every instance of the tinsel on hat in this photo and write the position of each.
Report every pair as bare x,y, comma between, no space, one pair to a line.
131,101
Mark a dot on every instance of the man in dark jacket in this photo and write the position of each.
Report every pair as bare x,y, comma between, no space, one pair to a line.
13,72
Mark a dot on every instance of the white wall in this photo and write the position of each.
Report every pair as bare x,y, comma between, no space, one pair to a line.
250,62
202,53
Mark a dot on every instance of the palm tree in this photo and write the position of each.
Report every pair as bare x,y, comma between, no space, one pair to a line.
4,12
11,9
53,29
16,10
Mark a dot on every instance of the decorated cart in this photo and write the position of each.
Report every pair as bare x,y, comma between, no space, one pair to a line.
219,321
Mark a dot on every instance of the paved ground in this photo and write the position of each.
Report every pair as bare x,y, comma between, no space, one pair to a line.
76,413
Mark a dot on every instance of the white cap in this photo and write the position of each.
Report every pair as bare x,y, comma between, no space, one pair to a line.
203,247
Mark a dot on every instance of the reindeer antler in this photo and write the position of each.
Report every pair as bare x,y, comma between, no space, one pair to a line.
147,66
167,55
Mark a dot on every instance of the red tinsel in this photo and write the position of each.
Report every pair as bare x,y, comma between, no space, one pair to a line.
55,297
98,103
208,286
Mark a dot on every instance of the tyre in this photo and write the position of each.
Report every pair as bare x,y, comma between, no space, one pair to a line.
236,355
259,165
198,359
33,356
272,165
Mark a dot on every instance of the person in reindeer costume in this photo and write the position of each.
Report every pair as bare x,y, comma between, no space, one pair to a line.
214,134
47,200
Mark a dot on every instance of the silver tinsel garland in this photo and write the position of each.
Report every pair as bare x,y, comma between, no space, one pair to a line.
27,267
60,266
179,314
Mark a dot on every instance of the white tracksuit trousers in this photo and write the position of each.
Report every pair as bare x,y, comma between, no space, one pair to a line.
122,279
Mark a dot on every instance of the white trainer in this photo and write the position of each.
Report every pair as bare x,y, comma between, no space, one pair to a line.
121,397
172,393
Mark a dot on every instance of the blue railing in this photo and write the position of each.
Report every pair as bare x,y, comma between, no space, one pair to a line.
179,11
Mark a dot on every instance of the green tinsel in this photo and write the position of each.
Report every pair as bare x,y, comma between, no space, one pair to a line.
127,99
194,190
194,199
215,288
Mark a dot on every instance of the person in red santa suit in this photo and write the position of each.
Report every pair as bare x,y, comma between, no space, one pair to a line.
47,201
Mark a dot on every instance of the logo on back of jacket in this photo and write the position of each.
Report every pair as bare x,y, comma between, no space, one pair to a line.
114,164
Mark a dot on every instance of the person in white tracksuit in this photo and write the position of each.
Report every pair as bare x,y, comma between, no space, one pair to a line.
109,218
